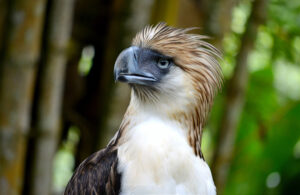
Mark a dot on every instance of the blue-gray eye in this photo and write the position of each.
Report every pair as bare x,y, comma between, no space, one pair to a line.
163,63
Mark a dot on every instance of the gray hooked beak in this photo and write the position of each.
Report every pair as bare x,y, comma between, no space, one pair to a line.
127,68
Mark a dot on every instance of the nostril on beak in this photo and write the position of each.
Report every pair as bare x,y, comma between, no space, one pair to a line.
135,56
124,70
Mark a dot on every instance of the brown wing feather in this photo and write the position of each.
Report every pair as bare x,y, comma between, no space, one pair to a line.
96,175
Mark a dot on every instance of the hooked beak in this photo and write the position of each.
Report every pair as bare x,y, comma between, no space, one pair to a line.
127,68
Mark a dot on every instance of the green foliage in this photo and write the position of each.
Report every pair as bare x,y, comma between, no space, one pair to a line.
267,153
267,135
284,25
64,161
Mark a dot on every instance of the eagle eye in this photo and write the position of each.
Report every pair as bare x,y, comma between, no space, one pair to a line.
163,63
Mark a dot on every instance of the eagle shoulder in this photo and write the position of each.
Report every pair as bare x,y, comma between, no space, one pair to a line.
96,175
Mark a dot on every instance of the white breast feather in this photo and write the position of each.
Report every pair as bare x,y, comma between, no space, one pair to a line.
157,159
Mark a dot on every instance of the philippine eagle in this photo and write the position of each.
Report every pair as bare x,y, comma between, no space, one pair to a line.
174,76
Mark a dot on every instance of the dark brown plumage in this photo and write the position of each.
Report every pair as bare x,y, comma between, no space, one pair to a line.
97,174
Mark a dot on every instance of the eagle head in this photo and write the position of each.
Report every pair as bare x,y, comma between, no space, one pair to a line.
172,72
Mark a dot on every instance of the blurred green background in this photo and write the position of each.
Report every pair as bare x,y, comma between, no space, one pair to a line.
59,103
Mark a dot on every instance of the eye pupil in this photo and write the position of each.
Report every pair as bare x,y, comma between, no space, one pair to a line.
163,63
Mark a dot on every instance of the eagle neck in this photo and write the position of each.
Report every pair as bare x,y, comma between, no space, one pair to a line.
189,121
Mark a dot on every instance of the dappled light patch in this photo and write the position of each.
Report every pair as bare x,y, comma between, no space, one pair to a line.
64,161
86,60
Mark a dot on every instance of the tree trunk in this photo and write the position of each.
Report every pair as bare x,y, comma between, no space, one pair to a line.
83,110
16,89
235,97
114,44
166,11
3,14
138,19
218,20
47,126
94,105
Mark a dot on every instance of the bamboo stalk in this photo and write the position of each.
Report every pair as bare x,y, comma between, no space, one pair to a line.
47,126
21,48
235,98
